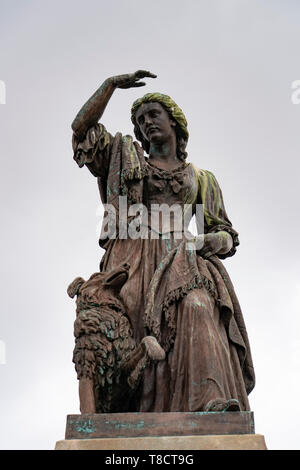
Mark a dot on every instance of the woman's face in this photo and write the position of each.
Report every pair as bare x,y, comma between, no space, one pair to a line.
155,123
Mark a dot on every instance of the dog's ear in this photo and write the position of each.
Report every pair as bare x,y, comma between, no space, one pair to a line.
74,287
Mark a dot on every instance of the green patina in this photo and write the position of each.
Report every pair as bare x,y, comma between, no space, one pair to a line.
168,244
138,425
161,265
211,196
115,188
191,253
175,111
85,427
110,334
93,98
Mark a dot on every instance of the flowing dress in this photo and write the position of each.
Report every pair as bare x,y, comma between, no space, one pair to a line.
187,302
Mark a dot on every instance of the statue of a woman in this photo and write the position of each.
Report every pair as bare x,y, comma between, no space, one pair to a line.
181,296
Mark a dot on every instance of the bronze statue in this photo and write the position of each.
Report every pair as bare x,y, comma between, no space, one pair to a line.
180,296
108,362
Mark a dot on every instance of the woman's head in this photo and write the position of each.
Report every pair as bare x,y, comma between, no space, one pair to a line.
175,114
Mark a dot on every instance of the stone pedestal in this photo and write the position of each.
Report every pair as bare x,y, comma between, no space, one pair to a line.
217,442
162,431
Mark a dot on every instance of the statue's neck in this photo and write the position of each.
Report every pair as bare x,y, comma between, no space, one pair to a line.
164,154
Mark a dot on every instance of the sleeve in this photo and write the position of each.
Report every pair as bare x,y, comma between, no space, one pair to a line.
94,150
215,216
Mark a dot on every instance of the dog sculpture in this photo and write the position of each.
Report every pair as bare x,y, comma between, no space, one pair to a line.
108,362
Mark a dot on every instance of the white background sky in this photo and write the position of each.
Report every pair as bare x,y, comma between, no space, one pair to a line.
229,64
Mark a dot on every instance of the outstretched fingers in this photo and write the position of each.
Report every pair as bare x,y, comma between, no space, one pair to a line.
144,74
132,80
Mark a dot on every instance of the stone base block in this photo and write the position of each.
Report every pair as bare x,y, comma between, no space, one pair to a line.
162,431
212,442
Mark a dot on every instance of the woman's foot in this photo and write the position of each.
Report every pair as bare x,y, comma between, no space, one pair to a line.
220,404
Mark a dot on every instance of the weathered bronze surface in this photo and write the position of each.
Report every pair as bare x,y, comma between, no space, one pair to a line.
171,337
108,362
158,424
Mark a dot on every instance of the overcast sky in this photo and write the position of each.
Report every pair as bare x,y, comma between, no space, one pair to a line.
230,65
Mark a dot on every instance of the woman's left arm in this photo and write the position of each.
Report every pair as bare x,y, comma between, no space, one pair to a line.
219,237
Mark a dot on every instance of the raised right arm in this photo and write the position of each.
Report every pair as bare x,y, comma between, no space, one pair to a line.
92,110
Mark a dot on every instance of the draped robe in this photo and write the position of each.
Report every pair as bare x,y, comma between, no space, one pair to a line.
187,302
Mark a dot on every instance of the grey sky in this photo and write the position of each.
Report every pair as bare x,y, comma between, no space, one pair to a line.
229,64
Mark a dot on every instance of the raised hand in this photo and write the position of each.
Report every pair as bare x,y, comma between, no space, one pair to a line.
92,110
131,80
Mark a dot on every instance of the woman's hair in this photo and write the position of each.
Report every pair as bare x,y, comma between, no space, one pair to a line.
174,112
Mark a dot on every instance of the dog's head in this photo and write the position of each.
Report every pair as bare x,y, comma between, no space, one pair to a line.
102,287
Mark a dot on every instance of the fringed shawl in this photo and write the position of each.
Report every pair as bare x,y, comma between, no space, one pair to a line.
180,272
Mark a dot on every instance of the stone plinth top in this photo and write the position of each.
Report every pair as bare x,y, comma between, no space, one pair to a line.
120,425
